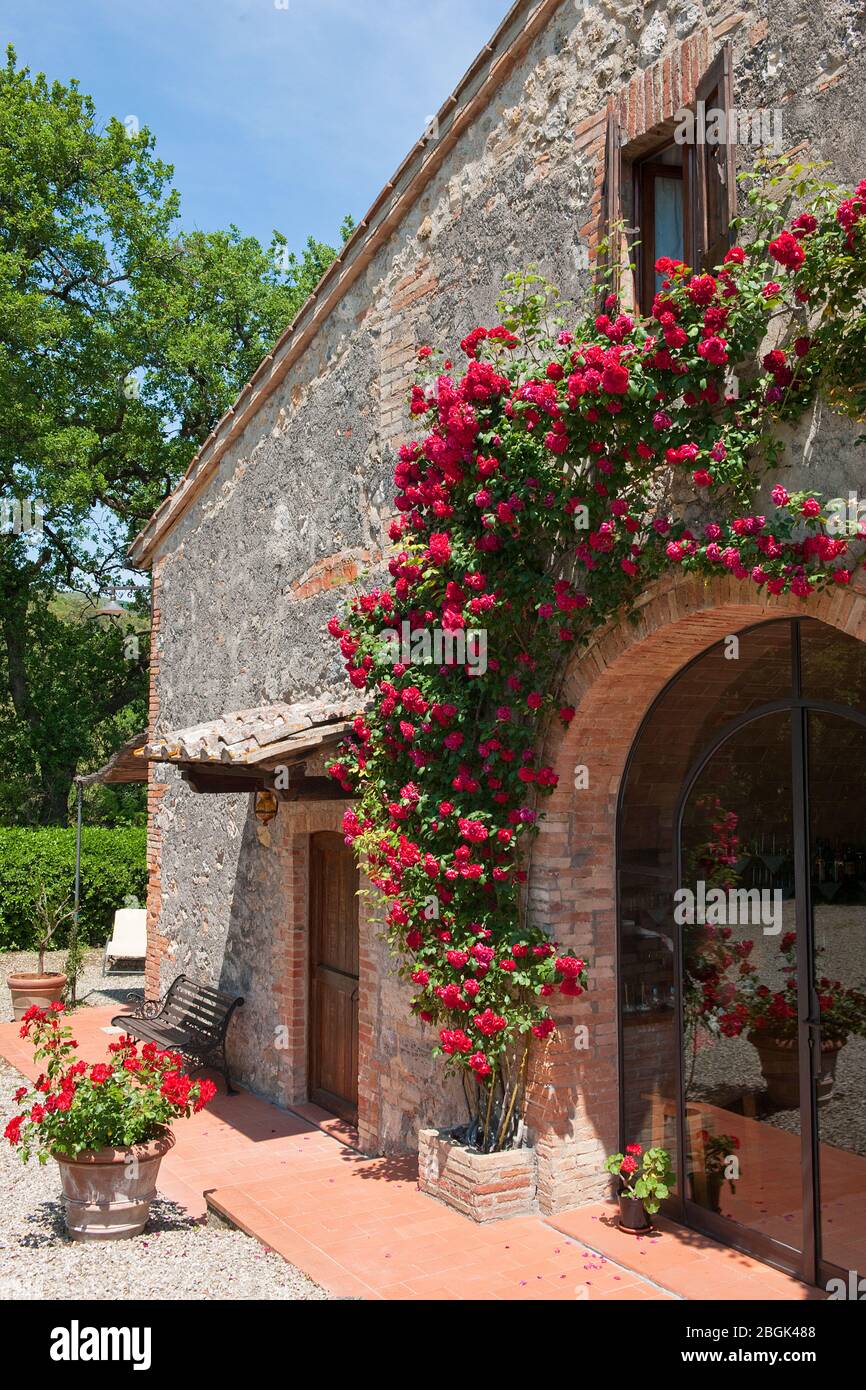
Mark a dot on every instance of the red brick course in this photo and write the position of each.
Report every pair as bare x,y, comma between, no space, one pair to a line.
331,572
485,1187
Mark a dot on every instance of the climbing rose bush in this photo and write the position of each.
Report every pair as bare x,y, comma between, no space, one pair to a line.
75,1106
555,474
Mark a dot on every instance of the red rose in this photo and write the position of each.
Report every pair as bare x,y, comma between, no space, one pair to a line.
713,350
440,548
787,250
614,379
544,1028
480,1065
12,1132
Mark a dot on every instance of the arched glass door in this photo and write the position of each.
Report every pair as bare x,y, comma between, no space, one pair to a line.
742,955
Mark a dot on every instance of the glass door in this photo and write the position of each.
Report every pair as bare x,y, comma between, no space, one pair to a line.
742,944
741,1128
837,1018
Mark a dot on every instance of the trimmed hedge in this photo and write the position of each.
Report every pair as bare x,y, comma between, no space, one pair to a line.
113,865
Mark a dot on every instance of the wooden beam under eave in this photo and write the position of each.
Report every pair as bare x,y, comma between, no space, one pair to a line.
217,781
314,789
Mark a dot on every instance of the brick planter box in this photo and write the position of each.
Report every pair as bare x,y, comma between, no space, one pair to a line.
485,1187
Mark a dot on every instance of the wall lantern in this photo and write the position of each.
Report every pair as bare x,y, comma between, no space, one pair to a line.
111,609
266,805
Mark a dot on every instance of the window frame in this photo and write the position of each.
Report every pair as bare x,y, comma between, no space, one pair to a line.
704,244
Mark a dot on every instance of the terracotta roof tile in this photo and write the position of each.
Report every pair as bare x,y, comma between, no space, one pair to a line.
255,735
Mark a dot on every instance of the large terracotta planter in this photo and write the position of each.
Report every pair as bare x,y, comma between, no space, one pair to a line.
40,990
107,1192
779,1065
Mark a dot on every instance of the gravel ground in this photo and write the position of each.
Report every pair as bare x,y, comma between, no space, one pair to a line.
93,987
174,1257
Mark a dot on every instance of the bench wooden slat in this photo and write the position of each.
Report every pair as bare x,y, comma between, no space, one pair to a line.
197,1007
175,1038
214,1000
181,1007
201,992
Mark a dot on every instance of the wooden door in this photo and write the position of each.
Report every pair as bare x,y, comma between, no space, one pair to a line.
333,1027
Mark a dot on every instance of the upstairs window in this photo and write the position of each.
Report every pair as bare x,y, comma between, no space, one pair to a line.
673,189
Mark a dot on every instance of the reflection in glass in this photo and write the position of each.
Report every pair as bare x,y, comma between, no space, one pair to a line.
744,1022
742,1103
668,197
833,665
837,842
648,1020
724,683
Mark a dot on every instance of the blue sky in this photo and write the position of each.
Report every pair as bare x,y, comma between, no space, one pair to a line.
285,118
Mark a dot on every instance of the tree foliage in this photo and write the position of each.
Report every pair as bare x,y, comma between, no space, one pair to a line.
123,339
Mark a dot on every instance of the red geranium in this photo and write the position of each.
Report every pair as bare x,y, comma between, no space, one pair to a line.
114,1104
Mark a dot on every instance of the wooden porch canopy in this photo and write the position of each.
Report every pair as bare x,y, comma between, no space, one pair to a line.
123,766
280,745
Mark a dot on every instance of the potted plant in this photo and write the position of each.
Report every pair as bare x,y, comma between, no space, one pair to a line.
107,1125
772,1029
45,987
726,997
718,1150
645,1180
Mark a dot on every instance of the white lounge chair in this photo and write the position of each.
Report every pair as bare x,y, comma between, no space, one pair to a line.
128,937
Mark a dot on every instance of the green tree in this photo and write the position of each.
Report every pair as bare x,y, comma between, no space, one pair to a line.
123,339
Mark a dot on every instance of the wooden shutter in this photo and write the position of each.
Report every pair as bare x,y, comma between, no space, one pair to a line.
612,200
715,203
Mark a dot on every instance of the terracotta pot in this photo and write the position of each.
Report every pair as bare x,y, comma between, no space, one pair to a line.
41,990
779,1065
632,1215
107,1192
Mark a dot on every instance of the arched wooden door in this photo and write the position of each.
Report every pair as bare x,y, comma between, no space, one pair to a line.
333,1018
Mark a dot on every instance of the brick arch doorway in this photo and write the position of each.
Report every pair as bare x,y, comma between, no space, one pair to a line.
575,1089
744,789
334,976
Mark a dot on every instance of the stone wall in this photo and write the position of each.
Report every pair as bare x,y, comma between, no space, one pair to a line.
296,510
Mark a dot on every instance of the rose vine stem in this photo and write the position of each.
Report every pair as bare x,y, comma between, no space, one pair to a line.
517,1085
489,1107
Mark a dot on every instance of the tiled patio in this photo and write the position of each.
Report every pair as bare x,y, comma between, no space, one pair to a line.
361,1227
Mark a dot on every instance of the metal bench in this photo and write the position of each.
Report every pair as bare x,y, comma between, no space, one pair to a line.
192,1019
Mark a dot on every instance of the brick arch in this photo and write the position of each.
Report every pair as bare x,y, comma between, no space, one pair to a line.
573,1109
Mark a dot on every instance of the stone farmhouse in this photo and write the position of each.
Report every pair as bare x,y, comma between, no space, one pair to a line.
568,124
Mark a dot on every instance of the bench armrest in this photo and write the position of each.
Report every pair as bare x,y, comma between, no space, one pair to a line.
143,1008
